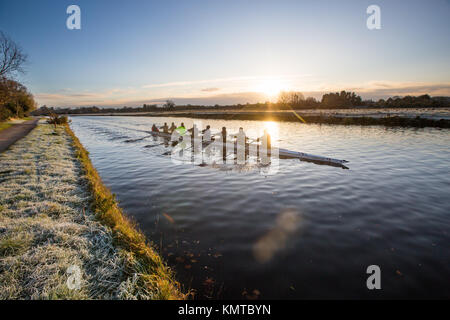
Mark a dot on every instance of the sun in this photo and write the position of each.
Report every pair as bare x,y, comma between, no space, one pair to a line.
270,87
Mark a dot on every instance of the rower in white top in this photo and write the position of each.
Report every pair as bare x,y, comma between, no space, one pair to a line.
207,134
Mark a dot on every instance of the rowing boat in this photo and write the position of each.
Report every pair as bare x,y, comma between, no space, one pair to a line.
312,158
283,153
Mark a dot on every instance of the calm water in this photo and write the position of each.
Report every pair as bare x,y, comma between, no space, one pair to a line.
308,231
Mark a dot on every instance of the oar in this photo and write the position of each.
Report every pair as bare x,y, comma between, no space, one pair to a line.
134,140
153,145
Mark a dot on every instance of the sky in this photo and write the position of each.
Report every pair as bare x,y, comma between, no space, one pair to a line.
226,52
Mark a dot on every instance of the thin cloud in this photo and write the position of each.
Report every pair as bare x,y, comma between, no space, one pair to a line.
210,89
229,80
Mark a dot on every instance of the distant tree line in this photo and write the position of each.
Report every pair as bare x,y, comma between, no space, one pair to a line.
286,100
45,111
15,99
423,101
346,99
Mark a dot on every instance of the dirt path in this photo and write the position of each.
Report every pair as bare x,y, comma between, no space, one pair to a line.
16,132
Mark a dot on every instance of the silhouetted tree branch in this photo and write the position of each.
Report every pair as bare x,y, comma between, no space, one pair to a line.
12,57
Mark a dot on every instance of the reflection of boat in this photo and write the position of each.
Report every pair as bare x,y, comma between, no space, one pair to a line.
282,153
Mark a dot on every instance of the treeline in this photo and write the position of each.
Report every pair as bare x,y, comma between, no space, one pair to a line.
423,101
286,101
15,99
345,99
45,111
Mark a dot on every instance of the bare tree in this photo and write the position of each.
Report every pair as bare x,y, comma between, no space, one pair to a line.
290,98
12,58
169,104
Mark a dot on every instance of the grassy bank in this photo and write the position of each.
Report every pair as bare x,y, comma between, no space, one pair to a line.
56,213
395,121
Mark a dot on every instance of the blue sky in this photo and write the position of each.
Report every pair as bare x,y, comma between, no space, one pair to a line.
134,52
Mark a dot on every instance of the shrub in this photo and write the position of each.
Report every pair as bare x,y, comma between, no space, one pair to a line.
57,120
5,113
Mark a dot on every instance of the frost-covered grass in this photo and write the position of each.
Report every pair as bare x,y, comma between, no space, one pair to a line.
51,219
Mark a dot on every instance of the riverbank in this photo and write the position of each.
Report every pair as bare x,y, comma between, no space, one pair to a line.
395,121
57,217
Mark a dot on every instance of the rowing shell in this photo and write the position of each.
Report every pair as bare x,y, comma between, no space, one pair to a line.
312,158
285,153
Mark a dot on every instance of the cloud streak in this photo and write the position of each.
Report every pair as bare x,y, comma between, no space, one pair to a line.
210,89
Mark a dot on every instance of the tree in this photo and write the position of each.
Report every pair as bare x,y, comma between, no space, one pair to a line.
169,104
16,98
12,58
341,100
290,98
311,102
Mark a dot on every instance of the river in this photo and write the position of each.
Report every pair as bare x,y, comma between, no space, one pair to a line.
296,230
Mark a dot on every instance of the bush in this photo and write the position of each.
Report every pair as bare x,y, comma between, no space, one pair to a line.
5,113
57,120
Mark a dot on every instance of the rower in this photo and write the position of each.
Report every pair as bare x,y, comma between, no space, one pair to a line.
240,136
172,127
155,128
207,134
165,128
181,129
266,141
